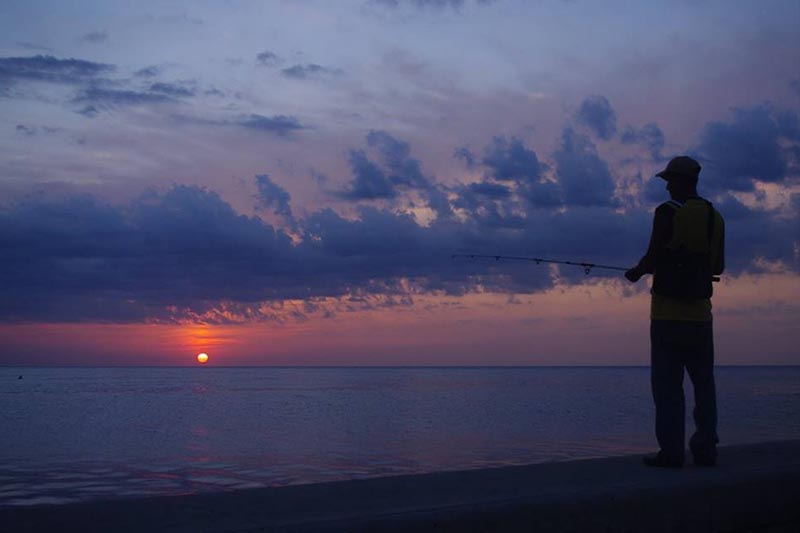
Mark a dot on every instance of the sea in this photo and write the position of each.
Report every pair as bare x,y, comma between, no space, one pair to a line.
79,434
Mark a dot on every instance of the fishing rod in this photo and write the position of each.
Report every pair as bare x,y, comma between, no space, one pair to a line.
587,267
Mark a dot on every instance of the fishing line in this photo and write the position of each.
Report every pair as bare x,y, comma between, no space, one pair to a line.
587,267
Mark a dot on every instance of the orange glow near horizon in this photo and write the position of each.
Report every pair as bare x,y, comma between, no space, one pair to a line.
596,323
202,358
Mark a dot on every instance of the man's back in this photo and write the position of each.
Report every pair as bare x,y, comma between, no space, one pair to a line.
692,229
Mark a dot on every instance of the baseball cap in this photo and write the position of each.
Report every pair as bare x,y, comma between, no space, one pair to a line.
681,166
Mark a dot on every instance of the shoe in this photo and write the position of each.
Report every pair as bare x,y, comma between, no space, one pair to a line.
662,461
705,460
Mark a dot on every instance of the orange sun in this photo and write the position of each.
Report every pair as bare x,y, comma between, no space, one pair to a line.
202,358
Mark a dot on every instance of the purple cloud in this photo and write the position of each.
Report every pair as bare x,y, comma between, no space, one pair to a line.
281,125
597,114
51,69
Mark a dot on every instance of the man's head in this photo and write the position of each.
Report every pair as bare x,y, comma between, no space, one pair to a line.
681,175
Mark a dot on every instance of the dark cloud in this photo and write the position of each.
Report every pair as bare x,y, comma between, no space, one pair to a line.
31,131
466,155
650,136
404,170
309,70
757,144
511,160
213,91
753,234
180,18
268,59
369,181
172,89
120,97
583,175
114,263
95,37
397,171
273,197
89,111
28,131
598,115
494,191
655,190
148,72
427,3
34,46
282,125
186,254
544,194
51,69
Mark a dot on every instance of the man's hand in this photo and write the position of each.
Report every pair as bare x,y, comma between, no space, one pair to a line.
634,274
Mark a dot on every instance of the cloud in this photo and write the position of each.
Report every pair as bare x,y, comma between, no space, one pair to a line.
650,136
466,155
95,37
282,125
186,255
511,160
795,85
755,236
396,155
268,59
34,46
51,69
79,256
757,144
88,111
28,131
597,114
543,194
120,97
179,18
273,196
31,131
309,70
655,190
172,89
395,173
427,3
148,72
494,191
369,181
584,176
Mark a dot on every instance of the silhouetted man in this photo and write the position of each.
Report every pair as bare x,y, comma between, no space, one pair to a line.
686,250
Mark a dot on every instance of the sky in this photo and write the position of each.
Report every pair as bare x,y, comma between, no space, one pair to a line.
285,182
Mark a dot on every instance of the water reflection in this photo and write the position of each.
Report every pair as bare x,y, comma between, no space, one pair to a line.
82,434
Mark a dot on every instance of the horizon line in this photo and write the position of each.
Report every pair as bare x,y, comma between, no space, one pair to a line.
384,366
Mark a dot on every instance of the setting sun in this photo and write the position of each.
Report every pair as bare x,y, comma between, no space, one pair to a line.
202,358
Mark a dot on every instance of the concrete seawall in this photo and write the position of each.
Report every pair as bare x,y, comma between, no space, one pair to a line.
754,488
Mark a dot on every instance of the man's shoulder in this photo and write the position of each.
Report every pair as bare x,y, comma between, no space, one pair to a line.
670,204
667,208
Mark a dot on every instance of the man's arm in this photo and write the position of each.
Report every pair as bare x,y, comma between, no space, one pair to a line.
659,238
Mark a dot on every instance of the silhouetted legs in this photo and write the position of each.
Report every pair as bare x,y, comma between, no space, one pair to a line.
701,371
676,345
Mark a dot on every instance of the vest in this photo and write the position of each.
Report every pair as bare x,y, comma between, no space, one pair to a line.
683,269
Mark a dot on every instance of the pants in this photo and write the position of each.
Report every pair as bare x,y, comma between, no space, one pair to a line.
675,345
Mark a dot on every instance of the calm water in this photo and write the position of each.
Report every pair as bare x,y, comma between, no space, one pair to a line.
86,433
